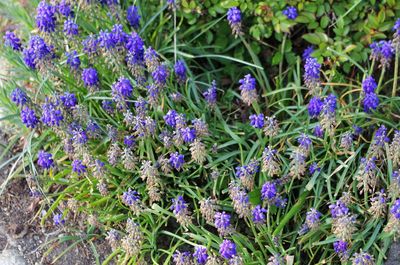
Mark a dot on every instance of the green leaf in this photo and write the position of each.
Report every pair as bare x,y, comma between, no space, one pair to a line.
324,21
277,58
316,38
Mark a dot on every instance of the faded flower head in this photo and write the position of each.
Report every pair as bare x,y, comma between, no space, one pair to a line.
181,211
248,89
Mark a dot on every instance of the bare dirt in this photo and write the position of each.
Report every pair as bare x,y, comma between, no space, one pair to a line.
23,241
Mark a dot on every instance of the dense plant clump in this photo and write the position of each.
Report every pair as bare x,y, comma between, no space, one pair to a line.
171,160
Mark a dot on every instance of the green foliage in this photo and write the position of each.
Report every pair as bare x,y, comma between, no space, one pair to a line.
270,51
346,26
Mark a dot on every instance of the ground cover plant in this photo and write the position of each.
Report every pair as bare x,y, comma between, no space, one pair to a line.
153,145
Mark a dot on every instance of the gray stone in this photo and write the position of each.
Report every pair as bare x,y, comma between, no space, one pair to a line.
393,256
11,257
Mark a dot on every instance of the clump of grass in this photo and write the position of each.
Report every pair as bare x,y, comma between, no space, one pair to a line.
143,139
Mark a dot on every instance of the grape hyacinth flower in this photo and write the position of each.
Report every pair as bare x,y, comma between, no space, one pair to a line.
29,117
227,249
246,173
342,249
71,28
318,131
367,175
65,9
150,173
182,258
113,238
312,75
19,97
11,40
362,258
346,141
51,115
383,51
394,149
313,218
69,100
207,209
78,167
248,89
90,78
129,141
198,151
396,35
380,138
315,107
121,91
269,191
305,143
46,17
378,205
343,222
271,126
201,127
133,17
259,215
328,116
58,219
29,58
45,160
107,106
131,198
90,45
188,134
160,75
114,40
312,221
210,95
234,16
307,53
314,168
181,211
298,162
395,209
200,254
257,121
151,59
73,60
180,71
240,200
290,12
370,102
369,85
270,164
222,222
396,27
38,53
133,241
338,209
170,118
177,161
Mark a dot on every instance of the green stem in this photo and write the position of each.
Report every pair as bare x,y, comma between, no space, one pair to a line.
296,208
281,62
380,80
396,71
